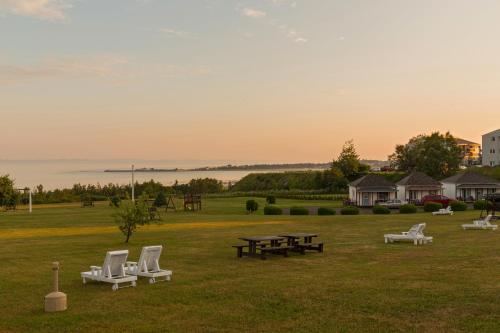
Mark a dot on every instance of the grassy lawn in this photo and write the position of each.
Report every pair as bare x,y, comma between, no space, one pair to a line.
358,284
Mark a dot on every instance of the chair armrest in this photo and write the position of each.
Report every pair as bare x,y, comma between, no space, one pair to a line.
95,270
95,267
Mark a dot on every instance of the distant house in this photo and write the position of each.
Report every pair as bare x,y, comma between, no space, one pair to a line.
491,148
417,185
469,186
371,189
471,151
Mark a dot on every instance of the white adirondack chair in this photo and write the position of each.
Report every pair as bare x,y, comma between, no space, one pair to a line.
444,211
112,271
415,235
148,265
481,224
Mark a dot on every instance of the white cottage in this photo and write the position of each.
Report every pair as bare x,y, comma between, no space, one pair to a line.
469,186
416,186
371,189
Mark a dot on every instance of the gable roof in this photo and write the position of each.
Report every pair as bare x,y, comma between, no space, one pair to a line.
470,178
465,142
372,180
418,178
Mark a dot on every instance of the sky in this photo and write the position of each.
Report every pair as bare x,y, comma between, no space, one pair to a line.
250,80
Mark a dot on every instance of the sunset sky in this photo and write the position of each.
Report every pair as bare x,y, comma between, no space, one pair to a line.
255,80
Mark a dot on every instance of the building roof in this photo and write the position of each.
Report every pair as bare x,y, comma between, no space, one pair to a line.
470,178
372,180
492,132
419,179
465,142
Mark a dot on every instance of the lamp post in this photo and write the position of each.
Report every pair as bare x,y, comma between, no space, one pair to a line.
133,184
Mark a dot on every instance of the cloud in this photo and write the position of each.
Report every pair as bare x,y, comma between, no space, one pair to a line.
111,68
50,10
253,13
175,33
289,33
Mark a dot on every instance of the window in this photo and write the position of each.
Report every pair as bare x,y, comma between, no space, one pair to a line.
492,138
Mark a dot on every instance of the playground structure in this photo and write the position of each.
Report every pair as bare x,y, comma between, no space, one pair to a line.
192,202
170,204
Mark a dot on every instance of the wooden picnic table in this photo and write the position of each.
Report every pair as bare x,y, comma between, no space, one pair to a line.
264,244
294,241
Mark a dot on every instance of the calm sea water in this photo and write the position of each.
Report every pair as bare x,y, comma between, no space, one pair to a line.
54,174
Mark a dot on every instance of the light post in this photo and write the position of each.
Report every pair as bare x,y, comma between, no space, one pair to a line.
133,184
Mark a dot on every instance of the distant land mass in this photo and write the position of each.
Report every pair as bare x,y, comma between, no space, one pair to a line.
255,167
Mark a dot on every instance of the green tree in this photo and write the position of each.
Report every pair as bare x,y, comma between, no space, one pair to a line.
436,155
130,215
7,191
160,200
348,162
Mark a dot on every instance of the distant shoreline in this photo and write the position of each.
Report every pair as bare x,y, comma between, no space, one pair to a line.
254,167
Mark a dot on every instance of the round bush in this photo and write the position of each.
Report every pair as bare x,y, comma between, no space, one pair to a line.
408,209
458,206
481,205
115,201
252,206
381,210
160,200
432,206
272,210
299,211
271,199
326,211
349,210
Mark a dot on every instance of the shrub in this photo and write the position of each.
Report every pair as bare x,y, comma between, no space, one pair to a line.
299,211
458,206
407,209
252,206
271,199
326,211
160,200
377,209
432,206
272,210
349,210
115,201
481,205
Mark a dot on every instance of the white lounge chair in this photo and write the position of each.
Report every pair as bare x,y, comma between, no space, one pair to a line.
148,265
481,224
444,211
112,271
415,235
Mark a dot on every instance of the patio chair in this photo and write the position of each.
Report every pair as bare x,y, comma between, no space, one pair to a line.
112,271
415,235
483,224
444,211
148,265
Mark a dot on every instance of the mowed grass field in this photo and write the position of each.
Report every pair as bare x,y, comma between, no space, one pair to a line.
359,284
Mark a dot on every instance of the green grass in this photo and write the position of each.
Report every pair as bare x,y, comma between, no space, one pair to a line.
358,284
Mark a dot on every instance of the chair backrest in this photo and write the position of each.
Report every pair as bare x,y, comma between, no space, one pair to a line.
114,263
487,220
414,230
150,258
421,229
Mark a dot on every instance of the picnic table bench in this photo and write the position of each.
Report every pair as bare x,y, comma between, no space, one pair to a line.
293,241
260,246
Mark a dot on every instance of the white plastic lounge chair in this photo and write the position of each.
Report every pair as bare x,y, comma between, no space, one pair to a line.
112,271
444,211
481,224
414,235
148,265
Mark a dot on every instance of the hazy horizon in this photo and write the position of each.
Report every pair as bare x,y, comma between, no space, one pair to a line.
270,81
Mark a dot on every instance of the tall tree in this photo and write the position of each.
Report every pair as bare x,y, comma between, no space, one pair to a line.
437,155
348,162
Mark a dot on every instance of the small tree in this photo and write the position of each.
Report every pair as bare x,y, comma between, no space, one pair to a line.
160,200
271,199
252,206
129,216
